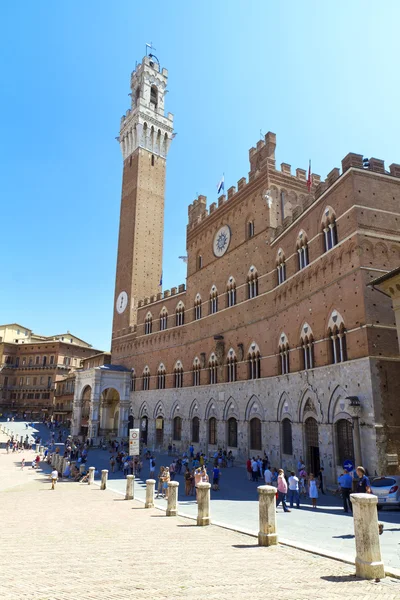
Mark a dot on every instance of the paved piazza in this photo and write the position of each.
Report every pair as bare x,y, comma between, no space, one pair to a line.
78,542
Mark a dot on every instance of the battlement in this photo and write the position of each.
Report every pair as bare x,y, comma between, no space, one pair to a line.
161,296
262,161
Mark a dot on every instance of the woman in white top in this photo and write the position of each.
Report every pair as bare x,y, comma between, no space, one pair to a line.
313,490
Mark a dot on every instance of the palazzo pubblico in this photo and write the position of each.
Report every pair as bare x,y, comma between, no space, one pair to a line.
278,342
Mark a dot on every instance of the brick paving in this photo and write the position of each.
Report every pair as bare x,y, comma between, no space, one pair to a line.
78,542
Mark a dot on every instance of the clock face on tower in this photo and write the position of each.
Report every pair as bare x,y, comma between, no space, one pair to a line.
122,302
221,241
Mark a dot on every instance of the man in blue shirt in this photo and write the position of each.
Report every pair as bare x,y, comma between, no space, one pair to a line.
345,481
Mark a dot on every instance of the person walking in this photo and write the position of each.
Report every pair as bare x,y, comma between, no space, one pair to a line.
363,485
267,476
152,467
248,469
188,484
294,494
216,476
22,464
254,469
313,490
282,490
54,478
345,481
112,463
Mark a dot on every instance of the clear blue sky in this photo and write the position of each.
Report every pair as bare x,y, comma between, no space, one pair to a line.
324,76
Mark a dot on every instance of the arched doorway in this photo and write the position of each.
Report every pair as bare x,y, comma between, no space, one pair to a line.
86,395
312,445
144,425
109,412
159,431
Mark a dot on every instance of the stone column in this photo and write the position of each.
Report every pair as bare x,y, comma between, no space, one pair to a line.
104,476
369,563
129,495
267,535
172,504
203,503
41,450
150,483
76,417
91,475
37,447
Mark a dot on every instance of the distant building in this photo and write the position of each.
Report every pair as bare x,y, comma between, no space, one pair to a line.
32,364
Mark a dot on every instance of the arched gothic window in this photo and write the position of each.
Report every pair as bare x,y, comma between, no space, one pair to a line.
197,308
213,369
252,283
281,266
148,324
329,229
199,261
213,300
232,432
178,375
177,435
161,377
302,250
284,355
255,434
163,319
212,431
344,441
231,365
307,348
146,379
250,229
196,371
254,361
231,292
287,447
179,314
196,430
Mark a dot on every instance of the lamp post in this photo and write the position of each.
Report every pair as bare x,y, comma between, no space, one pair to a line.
355,411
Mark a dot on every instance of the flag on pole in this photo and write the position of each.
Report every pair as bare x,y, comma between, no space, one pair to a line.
160,284
309,178
221,185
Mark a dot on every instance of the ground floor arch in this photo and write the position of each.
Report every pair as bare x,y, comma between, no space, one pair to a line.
312,445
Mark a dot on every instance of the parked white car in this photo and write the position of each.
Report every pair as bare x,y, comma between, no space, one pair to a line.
387,488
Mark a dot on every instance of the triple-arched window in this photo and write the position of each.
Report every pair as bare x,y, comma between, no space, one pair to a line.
252,283
284,354
302,250
213,369
231,292
196,371
163,319
307,348
281,266
329,229
213,300
231,366
161,375
254,361
180,314
148,323
146,378
178,374
337,338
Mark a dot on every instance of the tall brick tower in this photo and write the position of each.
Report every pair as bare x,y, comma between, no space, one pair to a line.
145,137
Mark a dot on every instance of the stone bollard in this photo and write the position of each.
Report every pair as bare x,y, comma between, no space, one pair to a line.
369,563
41,450
172,502
130,480
104,477
267,535
203,503
91,475
37,447
150,483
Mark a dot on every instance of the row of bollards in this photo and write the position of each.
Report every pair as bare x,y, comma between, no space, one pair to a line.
368,561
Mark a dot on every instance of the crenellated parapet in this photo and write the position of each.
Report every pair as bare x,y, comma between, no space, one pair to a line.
288,192
161,296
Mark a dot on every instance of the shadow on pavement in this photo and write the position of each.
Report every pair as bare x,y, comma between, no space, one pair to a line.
340,578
